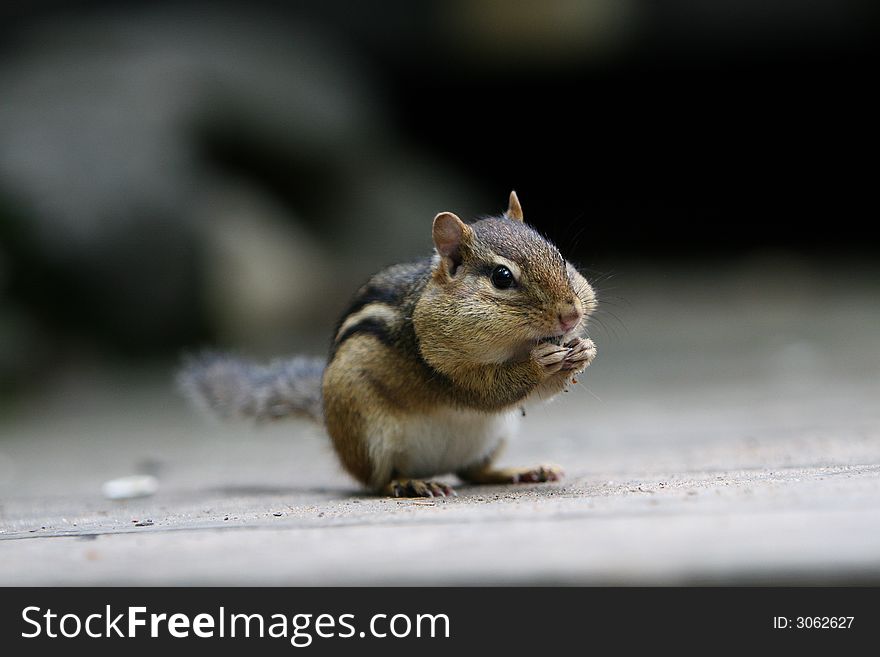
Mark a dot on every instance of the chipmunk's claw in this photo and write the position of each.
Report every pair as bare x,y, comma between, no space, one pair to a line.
550,356
581,353
419,488
538,474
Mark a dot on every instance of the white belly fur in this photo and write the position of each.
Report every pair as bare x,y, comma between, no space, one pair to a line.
444,441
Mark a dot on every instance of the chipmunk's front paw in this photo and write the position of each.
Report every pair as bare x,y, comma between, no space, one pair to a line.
537,474
550,356
581,353
418,488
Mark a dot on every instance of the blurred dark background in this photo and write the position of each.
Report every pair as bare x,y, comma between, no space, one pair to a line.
180,174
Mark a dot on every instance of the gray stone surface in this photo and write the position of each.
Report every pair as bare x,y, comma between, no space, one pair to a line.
729,432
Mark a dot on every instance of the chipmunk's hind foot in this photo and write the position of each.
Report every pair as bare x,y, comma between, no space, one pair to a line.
538,474
534,475
417,488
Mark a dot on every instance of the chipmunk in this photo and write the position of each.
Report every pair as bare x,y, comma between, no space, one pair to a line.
432,360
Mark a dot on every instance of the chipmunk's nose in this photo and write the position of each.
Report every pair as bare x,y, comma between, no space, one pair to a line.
569,314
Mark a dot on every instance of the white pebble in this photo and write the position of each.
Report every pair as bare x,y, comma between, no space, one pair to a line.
132,486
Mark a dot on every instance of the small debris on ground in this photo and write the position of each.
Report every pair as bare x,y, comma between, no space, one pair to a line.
125,488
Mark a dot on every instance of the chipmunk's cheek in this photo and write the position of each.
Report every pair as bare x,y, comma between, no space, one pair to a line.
498,354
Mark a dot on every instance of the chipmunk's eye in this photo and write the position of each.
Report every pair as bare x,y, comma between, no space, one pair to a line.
502,278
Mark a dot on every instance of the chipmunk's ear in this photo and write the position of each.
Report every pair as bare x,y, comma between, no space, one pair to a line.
450,233
514,209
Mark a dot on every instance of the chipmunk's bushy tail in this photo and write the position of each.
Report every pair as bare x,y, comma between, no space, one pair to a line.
236,389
